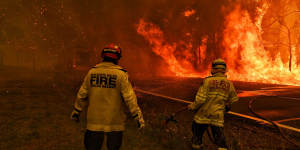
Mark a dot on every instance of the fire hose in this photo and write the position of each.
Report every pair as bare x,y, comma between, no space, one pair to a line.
171,118
259,118
272,122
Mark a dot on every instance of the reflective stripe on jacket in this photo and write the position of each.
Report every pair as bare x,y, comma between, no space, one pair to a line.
213,96
106,89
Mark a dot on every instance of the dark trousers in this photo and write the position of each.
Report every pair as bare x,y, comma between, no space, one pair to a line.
218,134
93,140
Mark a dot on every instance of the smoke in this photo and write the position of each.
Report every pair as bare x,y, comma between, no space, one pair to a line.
60,34
49,35
198,33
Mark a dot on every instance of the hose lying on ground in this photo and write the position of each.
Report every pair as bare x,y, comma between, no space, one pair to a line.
272,122
233,113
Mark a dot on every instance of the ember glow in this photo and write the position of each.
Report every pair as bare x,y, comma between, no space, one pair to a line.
188,13
243,51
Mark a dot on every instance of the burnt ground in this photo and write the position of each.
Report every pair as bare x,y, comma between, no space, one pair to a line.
35,109
274,102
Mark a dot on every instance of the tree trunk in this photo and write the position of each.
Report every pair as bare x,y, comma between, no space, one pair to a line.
1,58
290,49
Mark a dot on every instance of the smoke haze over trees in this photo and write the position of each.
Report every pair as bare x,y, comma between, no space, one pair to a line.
57,35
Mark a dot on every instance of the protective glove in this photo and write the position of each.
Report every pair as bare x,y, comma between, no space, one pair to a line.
227,108
75,115
140,122
190,107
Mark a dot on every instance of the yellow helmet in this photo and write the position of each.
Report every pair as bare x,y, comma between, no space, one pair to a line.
219,64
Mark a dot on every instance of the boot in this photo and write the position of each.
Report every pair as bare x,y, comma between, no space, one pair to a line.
197,146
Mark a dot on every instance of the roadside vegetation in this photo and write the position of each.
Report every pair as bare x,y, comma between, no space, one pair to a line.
35,109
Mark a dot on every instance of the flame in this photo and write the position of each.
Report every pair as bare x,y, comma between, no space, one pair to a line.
244,51
243,37
188,13
181,67
202,51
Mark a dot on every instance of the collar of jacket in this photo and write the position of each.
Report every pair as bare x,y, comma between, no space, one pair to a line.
219,74
107,65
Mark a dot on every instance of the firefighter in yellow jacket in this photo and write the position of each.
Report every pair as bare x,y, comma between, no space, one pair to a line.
213,98
106,89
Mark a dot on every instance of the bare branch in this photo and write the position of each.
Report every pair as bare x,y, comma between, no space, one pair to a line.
282,16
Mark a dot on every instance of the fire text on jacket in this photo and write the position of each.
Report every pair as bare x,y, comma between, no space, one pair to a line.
222,85
103,80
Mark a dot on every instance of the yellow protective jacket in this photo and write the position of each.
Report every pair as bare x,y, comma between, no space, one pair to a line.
106,89
213,96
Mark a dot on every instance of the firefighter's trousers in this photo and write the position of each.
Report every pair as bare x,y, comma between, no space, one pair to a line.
199,129
93,140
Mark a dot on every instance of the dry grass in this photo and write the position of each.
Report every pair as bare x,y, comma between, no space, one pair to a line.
35,116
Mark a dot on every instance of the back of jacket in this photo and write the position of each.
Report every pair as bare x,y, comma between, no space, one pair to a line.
212,97
106,89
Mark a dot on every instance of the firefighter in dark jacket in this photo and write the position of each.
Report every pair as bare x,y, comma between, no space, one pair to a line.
213,98
106,89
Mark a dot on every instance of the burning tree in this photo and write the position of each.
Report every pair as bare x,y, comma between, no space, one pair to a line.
241,46
183,36
282,27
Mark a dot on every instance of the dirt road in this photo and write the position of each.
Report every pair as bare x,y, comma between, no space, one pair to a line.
276,102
